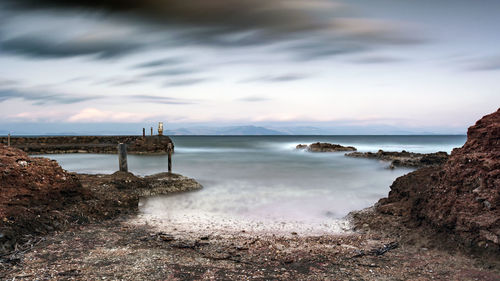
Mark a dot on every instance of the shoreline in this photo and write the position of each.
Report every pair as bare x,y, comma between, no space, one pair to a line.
121,249
87,227
124,246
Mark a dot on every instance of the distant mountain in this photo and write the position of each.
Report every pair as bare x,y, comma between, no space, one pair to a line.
248,130
300,130
233,130
215,129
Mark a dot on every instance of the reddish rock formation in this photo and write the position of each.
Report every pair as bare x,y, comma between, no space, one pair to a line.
30,188
37,196
462,197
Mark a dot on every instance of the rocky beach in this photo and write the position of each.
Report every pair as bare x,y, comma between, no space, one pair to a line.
441,222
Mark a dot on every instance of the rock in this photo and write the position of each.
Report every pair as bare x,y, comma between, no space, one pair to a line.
325,147
404,158
460,198
37,196
30,188
165,183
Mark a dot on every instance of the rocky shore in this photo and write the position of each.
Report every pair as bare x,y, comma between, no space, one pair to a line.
325,147
38,197
460,198
437,223
404,158
90,144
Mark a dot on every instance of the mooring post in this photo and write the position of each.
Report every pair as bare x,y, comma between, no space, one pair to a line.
143,132
169,150
8,140
122,157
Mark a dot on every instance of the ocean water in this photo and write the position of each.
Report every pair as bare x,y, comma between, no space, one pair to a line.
262,183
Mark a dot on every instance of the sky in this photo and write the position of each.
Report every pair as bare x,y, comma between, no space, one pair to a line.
417,66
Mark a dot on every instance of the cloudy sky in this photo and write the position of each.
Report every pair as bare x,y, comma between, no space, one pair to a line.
421,65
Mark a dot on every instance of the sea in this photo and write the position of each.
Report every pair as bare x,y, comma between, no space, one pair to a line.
264,184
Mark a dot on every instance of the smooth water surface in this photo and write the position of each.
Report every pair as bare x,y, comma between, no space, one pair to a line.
263,183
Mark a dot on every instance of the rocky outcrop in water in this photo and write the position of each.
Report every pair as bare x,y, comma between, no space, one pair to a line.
404,158
325,147
90,144
461,197
157,184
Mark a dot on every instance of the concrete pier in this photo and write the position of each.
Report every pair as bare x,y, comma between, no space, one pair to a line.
90,144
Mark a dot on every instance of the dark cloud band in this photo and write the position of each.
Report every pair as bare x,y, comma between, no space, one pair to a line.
310,28
42,97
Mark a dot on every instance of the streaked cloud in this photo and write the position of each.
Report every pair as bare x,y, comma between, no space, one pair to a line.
43,97
491,63
184,82
376,60
120,81
170,72
253,99
8,82
43,46
159,63
276,78
161,99
310,28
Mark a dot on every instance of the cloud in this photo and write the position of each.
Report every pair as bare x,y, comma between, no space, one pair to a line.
159,99
42,46
223,15
376,60
120,81
276,78
374,31
308,28
184,82
253,99
8,82
170,72
160,62
31,116
42,97
483,64
97,115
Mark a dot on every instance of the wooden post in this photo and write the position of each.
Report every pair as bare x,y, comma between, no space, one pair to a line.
151,131
8,140
169,150
122,157
143,132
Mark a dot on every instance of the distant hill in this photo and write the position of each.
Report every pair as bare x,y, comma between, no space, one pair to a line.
234,130
248,130
214,129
